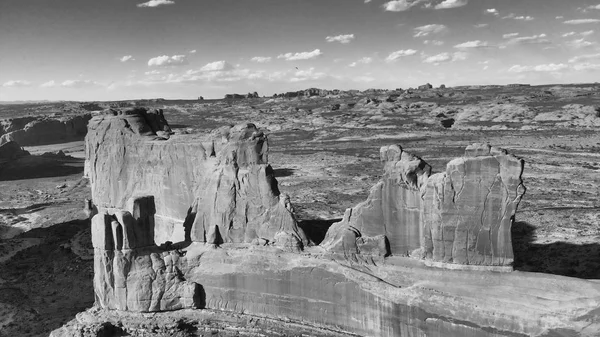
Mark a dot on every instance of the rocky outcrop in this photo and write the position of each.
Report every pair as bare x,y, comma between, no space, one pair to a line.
130,272
215,188
30,131
461,216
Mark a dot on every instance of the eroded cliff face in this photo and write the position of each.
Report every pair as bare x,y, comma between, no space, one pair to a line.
130,272
215,188
460,216
30,131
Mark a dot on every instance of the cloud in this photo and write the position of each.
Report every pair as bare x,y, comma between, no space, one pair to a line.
364,60
560,17
193,51
508,36
16,84
347,38
581,43
165,61
305,75
443,57
534,39
49,84
399,5
156,3
301,56
492,11
434,42
481,25
520,17
451,4
586,66
429,29
594,7
539,68
152,72
584,57
217,66
581,21
400,53
261,59
568,34
472,44
126,58
79,84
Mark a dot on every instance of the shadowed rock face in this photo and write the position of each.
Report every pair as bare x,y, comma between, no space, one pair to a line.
213,188
460,216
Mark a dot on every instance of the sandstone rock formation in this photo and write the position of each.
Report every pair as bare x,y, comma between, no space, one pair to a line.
130,272
29,131
215,188
461,216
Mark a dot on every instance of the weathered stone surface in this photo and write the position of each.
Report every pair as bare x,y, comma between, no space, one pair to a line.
215,188
29,131
130,272
393,208
460,216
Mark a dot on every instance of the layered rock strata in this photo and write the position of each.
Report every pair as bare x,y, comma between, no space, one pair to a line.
130,271
30,131
460,216
216,188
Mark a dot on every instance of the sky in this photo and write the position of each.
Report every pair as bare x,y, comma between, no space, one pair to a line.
130,49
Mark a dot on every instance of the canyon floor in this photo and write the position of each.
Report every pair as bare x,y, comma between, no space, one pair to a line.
325,153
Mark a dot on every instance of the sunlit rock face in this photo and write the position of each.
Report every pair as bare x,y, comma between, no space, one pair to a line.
215,188
460,216
130,271
30,131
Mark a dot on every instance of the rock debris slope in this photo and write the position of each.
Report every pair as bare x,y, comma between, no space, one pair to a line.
460,216
213,188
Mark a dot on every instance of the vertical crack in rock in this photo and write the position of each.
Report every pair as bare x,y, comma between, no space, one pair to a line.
463,215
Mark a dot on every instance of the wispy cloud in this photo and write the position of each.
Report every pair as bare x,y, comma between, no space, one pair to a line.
581,21
434,42
481,25
261,59
510,35
193,51
472,44
346,38
364,60
49,84
156,3
451,4
584,57
426,30
79,84
534,39
445,57
399,5
539,68
165,61
301,56
17,83
126,58
519,17
399,53
581,43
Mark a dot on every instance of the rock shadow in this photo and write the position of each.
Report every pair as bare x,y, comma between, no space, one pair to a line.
316,229
283,172
32,167
558,258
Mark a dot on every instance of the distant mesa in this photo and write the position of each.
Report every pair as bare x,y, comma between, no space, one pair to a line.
238,96
40,130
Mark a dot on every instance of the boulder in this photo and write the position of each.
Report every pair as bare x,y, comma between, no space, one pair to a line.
461,216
